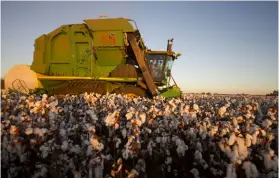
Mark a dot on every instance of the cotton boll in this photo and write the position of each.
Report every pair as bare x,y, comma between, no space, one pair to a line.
196,107
181,150
96,145
92,114
124,133
44,151
150,147
213,171
266,123
44,131
195,172
28,131
64,146
168,160
37,131
231,171
32,141
250,169
110,120
255,136
248,140
62,132
6,123
158,139
222,111
234,155
116,126
234,121
142,117
274,164
23,157
137,122
129,115
148,130
77,174
14,130
248,115
199,147
242,149
75,149
118,142
221,146
89,150
224,131
186,109
267,160
132,174
198,155
232,139
263,132
270,137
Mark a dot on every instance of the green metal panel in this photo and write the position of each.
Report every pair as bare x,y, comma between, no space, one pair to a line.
109,24
110,56
109,50
81,50
82,57
172,92
39,60
60,69
103,71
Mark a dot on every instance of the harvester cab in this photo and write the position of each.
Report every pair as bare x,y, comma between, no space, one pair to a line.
104,55
160,66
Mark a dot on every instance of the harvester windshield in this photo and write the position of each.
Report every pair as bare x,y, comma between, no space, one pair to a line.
159,66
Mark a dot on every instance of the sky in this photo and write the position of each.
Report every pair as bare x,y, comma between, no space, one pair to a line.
226,47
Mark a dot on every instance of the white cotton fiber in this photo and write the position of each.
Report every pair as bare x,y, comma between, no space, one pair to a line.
231,171
64,146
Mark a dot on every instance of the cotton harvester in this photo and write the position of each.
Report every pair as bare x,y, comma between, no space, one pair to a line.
105,55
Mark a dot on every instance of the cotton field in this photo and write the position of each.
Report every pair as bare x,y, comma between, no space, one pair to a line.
96,136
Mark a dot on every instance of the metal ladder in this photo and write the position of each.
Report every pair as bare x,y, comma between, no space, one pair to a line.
21,86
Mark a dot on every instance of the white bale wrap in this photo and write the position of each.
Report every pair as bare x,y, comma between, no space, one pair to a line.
21,75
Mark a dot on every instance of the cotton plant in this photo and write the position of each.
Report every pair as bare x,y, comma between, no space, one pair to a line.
195,173
92,114
251,170
70,125
45,150
41,171
96,144
181,147
270,160
231,171
112,121
132,174
96,167
222,110
129,149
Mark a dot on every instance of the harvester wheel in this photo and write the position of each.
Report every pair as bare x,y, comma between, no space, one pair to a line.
131,90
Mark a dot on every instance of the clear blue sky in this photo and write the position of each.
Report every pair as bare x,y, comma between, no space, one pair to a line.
227,47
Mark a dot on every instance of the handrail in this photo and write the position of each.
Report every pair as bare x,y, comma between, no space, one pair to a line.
134,23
